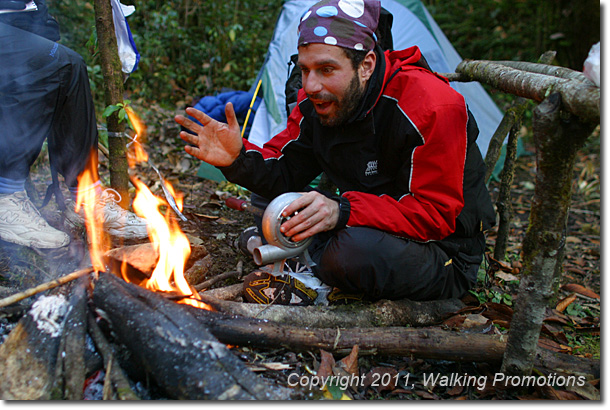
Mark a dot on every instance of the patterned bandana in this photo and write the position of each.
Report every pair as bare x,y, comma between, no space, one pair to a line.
344,23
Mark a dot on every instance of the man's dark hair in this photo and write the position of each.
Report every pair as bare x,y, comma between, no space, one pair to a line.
384,39
355,56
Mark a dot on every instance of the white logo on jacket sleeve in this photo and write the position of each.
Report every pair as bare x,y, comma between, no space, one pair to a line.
371,168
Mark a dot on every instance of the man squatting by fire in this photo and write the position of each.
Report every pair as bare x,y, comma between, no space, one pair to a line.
397,141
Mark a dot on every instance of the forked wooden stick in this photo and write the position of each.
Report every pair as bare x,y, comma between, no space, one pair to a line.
45,286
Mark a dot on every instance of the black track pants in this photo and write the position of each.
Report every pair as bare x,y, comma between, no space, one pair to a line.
383,266
44,93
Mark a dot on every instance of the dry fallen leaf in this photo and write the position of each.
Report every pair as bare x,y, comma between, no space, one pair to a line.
576,288
350,363
506,277
565,302
327,362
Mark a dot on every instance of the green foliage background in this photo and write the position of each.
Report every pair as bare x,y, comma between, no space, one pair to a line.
192,48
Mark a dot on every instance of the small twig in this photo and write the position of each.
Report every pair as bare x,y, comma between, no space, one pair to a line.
231,274
226,293
107,390
216,279
45,286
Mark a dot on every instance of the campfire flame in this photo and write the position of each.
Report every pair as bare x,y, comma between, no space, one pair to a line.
86,200
164,232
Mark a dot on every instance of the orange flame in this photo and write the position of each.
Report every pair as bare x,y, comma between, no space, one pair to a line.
164,232
87,199
136,153
172,245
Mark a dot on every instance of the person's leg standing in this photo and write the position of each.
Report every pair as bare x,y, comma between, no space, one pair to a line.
74,131
29,91
29,88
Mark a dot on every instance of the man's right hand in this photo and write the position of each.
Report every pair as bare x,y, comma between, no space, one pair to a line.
214,142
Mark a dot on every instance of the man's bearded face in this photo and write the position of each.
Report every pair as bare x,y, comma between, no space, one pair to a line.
330,82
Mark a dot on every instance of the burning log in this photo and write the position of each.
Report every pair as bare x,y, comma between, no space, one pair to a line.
380,314
135,261
176,349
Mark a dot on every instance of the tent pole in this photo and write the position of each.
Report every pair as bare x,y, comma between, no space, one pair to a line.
258,86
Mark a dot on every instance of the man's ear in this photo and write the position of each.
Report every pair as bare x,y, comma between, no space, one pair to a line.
368,66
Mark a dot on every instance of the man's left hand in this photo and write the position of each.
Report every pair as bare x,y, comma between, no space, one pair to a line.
315,213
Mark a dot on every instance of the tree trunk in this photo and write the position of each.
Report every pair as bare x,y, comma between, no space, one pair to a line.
113,78
504,202
557,139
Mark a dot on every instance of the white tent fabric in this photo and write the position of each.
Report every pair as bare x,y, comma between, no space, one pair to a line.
413,25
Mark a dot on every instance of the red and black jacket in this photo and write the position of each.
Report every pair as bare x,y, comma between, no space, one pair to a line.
407,163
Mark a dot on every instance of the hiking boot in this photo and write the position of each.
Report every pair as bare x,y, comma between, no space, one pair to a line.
21,223
264,288
117,221
249,240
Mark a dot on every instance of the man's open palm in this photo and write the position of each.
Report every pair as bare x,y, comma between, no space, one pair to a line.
214,142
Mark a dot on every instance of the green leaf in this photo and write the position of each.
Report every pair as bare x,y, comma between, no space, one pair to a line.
111,109
122,114
336,391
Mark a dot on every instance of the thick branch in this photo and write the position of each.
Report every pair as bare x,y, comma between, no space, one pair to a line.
431,343
557,138
580,99
512,115
383,313
546,69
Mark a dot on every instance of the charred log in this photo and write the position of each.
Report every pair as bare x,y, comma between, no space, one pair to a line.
175,348
116,376
70,371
